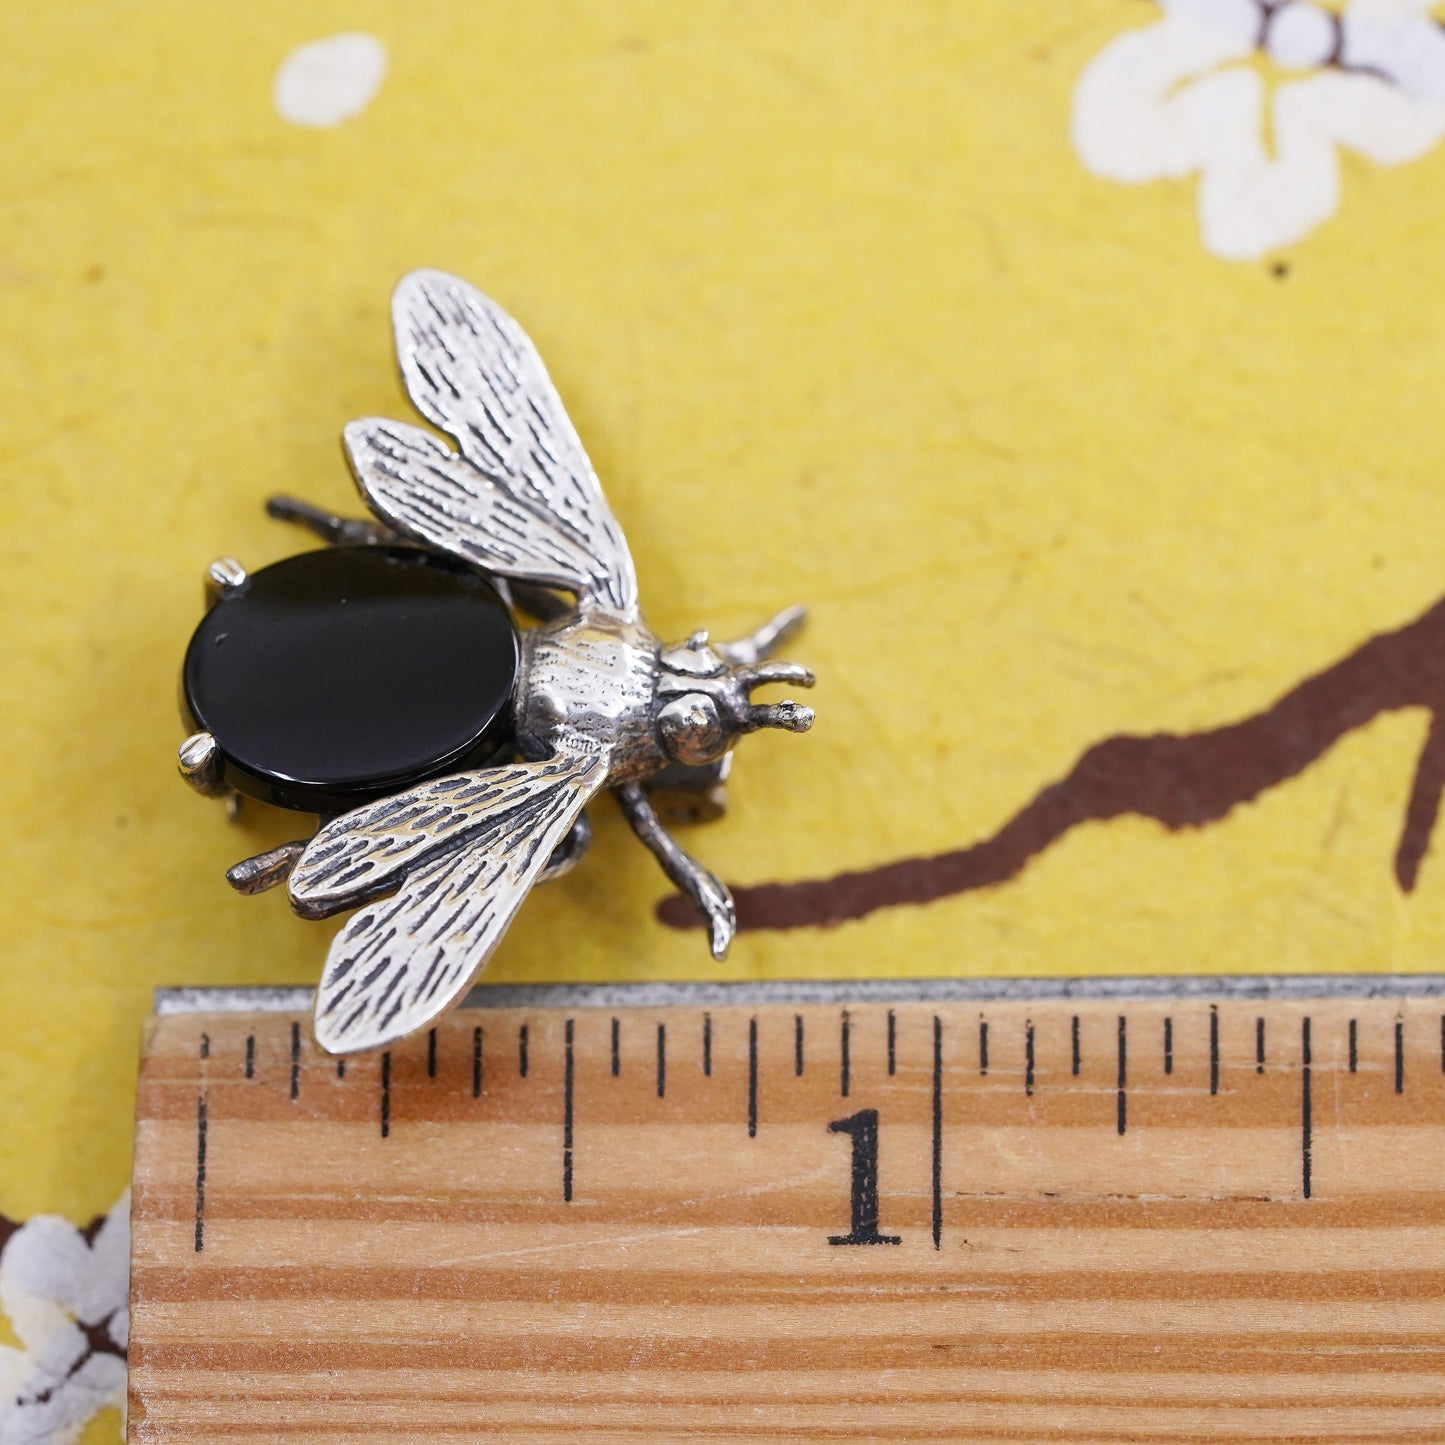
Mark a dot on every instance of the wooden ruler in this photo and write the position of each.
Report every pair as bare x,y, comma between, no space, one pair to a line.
1162,1210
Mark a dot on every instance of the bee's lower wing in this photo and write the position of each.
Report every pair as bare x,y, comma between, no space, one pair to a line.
424,489
362,854
400,962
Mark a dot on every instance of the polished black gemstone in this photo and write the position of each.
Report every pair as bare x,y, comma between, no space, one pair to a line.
341,675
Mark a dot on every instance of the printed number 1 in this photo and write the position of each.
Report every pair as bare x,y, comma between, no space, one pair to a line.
863,1128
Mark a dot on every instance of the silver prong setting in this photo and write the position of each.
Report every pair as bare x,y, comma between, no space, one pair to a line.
223,576
199,762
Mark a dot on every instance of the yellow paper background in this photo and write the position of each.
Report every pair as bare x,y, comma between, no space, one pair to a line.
842,318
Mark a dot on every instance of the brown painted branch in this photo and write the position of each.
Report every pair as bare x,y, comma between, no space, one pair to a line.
1184,780
1423,808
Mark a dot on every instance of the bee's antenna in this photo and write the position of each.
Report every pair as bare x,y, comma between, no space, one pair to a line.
777,632
765,672
790,716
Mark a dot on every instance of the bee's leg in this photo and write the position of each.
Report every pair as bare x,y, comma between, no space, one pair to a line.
568,853
766,640
265,870
683,794
338,531
709,895
541,602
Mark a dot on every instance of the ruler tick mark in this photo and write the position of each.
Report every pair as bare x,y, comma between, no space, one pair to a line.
843,1068
567,1113
1259,1046
250,1056
386,1094
1399,1056
1074,1045
893,1042
1306,1122
1168,1045
616,1047
205,1046
752,1078
983,1046
661,1061
477,1062
1123,1074
1354,1052
295,1059
522,1051
1213,1048
937,1132
707,1046
431,1053
1029,1059
200,1172
797,1046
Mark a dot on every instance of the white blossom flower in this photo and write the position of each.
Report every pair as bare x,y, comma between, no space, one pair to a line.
66,1299
1186,95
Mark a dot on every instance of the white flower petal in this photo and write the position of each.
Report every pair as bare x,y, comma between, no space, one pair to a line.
46,1257
15,1367
50,1278
1363,112
38,1320
119,1328
60,1353
1408,49
50,1409
329,81
49,1275
1251,203
1300,37
1132,122
106,1287
1236,22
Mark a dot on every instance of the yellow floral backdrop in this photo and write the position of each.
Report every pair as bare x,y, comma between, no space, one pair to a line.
1077,362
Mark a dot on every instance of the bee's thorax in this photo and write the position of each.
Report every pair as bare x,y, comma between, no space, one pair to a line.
590,682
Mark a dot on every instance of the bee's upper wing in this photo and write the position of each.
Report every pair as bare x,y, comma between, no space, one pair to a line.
522,499
465,851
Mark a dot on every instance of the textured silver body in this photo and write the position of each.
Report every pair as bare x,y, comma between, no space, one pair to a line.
438,871
591,682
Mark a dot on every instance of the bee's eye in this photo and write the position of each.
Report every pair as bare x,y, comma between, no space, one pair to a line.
691,728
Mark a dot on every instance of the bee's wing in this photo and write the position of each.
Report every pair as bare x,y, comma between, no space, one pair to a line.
465,856
521,499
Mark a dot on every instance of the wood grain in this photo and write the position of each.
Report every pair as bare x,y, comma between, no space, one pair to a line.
513,1231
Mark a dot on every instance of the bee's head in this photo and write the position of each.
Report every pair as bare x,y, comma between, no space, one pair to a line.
705,700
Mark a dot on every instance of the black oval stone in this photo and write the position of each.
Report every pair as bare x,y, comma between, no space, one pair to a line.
341,675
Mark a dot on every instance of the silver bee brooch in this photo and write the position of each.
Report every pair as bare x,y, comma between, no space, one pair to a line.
384,683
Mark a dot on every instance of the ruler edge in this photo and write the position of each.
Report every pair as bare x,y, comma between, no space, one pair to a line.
173,1002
